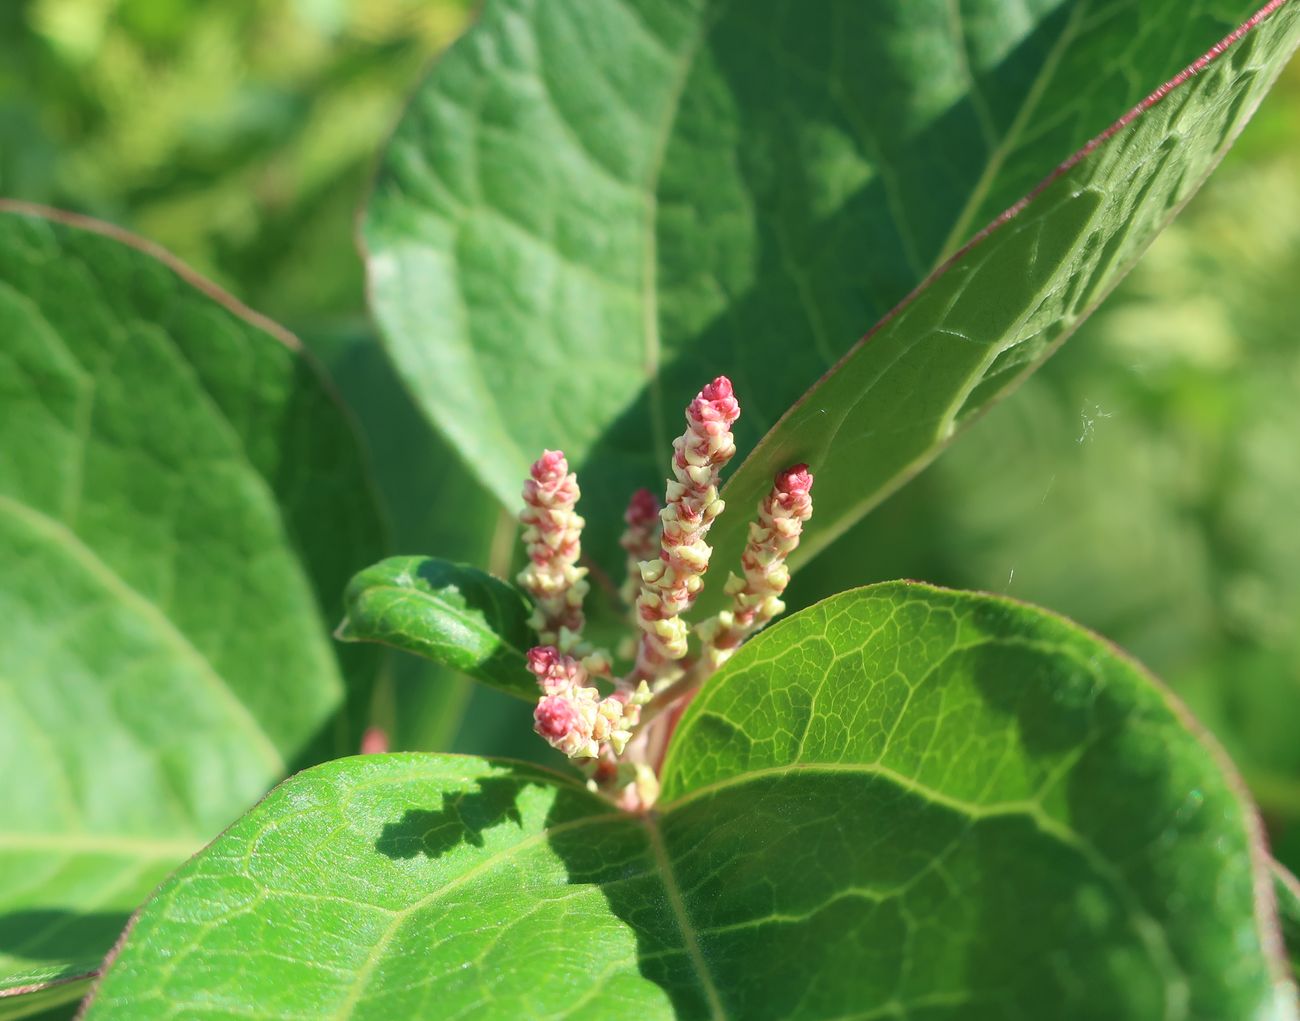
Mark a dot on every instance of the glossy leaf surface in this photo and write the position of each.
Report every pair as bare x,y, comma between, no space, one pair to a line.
181,502
451,613
903,800
593,207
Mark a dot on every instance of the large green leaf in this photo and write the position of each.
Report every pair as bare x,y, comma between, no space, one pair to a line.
181,503
902,802
592,207
453,614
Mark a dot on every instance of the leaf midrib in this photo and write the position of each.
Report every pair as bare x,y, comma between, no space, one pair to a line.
668,879
371,962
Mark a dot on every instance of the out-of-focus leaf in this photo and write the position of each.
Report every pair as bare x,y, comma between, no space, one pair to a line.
1288,903
181,502
436,507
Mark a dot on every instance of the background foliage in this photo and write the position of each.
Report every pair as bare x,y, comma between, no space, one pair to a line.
1144,483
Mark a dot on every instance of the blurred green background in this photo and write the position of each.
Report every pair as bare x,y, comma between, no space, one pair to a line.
1146,482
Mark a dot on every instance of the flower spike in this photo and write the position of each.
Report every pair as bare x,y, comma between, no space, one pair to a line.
552,534
618,738
572,716
670,583
756,598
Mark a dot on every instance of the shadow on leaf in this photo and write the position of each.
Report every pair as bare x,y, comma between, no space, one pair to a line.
46,934
463,817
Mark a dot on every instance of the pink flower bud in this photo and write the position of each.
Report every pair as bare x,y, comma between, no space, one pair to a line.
796,481
541,659
554,717
556,673
715,405
549,470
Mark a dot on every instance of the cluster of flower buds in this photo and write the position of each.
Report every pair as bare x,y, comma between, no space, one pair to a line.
572,716
756,598
670,583
552,535
667,557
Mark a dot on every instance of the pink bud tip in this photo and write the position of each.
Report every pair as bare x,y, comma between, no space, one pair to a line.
716,402
642,509
554,717
796,481
718,390
374,741
550,468
542,659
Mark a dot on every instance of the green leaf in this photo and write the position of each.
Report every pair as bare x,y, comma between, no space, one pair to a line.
181,502
453,614
903,801
43,999
1288,903
593,206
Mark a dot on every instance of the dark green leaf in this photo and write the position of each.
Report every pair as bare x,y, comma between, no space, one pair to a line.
902,802
181,502
451,613
593,206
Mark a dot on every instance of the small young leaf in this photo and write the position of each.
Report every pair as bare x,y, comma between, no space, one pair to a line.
181,503
450,613
903,801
